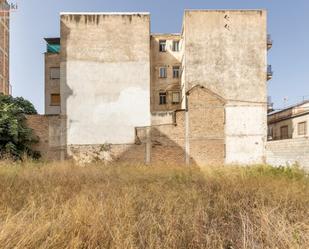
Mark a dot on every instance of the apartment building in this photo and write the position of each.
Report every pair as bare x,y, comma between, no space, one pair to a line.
290,122
198,96
4,48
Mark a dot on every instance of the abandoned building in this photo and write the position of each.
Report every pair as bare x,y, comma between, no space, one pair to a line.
5,87
288,140
116,91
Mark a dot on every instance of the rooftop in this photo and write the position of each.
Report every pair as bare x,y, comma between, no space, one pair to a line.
54,40
289,107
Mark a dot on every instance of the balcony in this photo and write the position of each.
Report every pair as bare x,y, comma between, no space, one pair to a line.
269,72
269,42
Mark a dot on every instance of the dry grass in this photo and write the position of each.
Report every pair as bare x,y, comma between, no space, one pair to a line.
66,206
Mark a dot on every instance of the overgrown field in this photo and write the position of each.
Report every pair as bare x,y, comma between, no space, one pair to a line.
67,206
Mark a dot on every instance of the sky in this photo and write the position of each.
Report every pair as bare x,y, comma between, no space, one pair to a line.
288,23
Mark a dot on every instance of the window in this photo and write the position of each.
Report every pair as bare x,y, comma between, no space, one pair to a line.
163,72
302,128
284,132
270,132
176,47
55,99
176,72
55,73
162,45
175,98
162,98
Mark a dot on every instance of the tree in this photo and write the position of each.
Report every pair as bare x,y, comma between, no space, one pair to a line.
16,139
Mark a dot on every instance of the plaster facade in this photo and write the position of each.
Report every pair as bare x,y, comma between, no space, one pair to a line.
226,52
294,118
52,82
169,60
105,76
111,80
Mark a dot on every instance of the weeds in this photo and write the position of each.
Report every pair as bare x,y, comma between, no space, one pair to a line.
60,205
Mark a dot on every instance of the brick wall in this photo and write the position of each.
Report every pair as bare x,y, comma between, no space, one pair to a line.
288,151
206,127
166,142
47,129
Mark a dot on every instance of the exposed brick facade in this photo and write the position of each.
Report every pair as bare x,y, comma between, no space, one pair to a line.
47,129
206,126
167,142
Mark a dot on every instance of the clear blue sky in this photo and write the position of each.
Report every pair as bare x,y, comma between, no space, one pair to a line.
287,23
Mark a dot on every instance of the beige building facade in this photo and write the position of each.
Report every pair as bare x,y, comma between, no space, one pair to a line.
289,123
288,139
198,97
5,87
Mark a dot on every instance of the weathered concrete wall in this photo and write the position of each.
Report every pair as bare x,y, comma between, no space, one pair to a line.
225,51
163,117
48,129
245,133
288,151
166,59
105,76
52,86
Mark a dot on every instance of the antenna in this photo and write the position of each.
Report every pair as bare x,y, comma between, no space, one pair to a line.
285,101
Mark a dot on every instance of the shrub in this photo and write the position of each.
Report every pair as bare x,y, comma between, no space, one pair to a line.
16,139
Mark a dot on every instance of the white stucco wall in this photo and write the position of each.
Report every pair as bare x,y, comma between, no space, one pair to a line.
105,81
245,134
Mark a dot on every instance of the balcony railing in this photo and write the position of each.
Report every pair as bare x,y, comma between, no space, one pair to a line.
273,138
269,42
269,72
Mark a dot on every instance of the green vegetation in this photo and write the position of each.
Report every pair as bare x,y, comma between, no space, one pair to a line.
16,138
62,205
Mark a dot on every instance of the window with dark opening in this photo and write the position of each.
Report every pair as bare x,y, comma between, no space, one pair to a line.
162,45
176,72
163,72
284,132
302,128
176,47
162,98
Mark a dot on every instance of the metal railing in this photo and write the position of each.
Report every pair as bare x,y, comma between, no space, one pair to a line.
269,72
272,138
269,41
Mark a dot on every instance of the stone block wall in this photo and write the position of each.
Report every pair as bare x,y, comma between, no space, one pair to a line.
288,151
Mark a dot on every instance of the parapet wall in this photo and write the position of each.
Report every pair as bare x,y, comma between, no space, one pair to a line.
288,152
